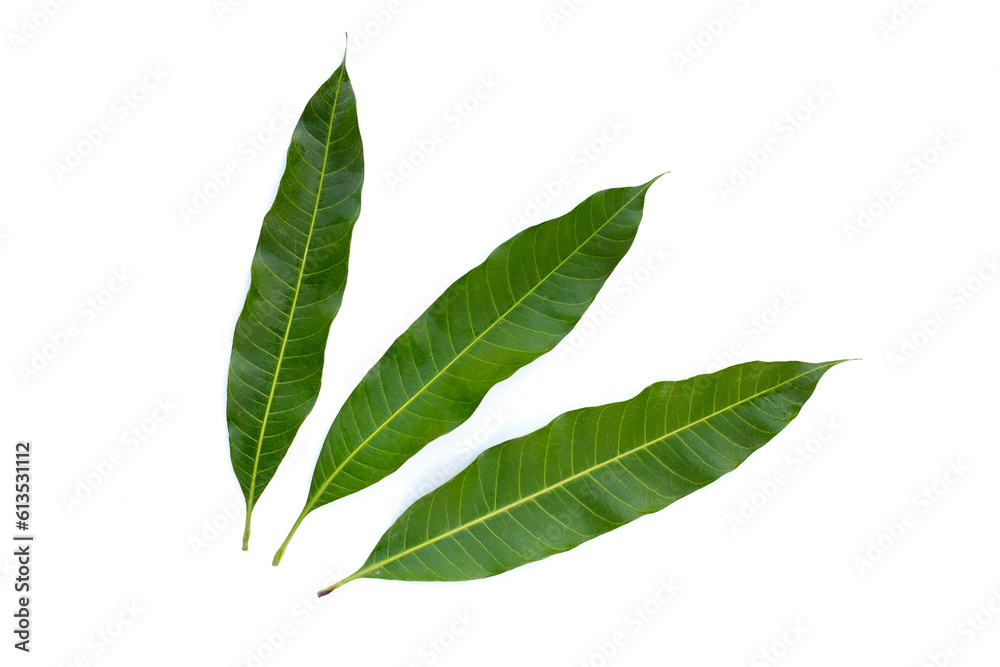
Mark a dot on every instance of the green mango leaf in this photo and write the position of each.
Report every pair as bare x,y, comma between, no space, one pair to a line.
590,471
297,282
500,316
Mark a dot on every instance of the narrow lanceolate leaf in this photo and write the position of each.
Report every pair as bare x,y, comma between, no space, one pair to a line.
501,315
297,282
590,471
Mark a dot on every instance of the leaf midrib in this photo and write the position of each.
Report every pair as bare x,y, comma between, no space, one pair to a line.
362,572
295,298
478,338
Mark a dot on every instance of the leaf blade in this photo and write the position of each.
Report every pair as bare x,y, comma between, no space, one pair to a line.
298,276
501,315
569,499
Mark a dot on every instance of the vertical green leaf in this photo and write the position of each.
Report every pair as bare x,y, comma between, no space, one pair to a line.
297,282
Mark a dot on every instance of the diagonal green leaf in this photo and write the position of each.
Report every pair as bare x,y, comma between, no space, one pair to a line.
590,471
297,282
503,314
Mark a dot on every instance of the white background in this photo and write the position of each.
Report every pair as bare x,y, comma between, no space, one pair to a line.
143,535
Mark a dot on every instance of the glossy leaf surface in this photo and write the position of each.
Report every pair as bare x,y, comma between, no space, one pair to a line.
503,314
590,471
298,276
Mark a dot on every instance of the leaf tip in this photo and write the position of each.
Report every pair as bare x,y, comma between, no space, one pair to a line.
656,178
642,189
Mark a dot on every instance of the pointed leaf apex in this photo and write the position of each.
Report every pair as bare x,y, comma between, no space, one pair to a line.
656,178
